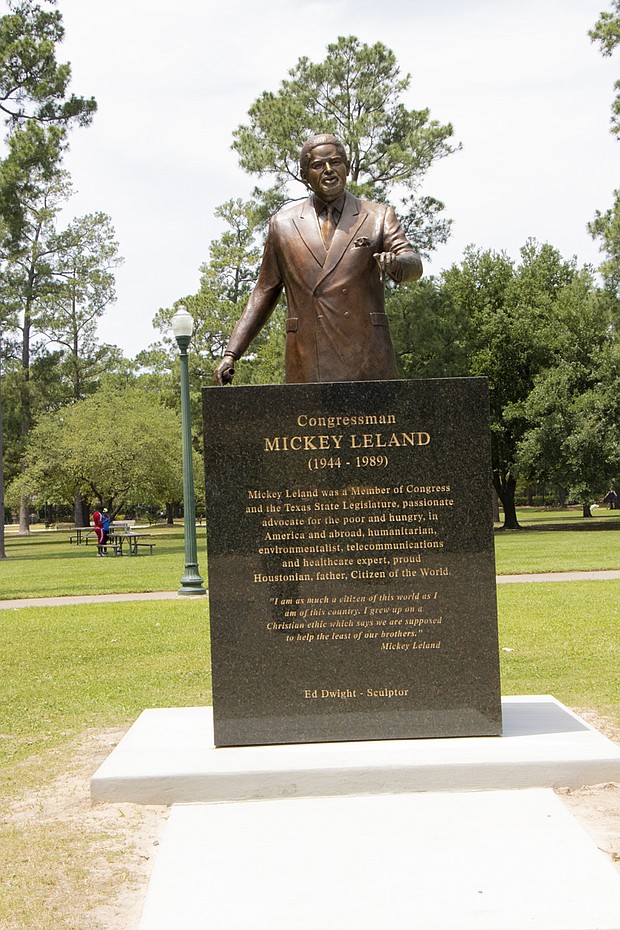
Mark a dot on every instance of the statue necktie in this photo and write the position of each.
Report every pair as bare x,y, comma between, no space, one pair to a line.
328,227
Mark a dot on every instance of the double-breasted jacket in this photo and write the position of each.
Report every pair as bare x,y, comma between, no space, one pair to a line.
337,328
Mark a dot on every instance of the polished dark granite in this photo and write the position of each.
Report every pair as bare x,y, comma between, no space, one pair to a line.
351,564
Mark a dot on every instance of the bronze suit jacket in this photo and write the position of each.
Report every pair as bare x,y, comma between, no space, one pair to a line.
337,329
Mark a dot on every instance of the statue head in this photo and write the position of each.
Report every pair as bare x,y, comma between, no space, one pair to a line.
323,138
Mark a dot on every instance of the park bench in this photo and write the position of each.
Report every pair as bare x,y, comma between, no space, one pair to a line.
131,540
151,546
122,526
116,549
81,535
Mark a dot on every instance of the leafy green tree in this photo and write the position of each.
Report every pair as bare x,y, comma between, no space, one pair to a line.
28,281
4,321
605,227
479,287
118,449
607,33
33,85
35,98
226,281
573,434
85,255
572,438
430,330
32,157
515,335
266,363
36,101
61,283
2,511
355,93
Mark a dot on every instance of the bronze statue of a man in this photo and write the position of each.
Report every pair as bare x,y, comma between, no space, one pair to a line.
330,253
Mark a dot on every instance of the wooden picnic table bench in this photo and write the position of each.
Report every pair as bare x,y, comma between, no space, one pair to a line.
150,547
81,535
133,541
122,526
113,546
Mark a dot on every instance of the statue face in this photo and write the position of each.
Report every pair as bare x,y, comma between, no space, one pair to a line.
327,172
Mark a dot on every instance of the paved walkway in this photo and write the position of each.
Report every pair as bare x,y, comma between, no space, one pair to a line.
561,576
174,595
90,599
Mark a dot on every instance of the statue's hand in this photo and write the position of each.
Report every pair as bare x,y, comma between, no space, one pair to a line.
388,263
225,371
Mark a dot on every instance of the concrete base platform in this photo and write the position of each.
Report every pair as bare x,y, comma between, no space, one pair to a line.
168,757
495,860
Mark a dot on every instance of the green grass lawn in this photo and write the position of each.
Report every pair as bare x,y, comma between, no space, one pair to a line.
70,670
519,552
564,640
65,669
44,564
532,516
69,673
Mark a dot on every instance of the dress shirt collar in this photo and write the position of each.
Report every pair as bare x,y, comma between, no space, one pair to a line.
320,205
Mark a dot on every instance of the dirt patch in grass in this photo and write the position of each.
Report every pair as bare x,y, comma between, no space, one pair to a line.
597,807
69,864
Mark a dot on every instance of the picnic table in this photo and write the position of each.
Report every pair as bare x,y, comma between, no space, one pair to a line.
123,526
132,541
81,534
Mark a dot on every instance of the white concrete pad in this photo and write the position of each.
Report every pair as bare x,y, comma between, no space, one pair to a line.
168,757
473,861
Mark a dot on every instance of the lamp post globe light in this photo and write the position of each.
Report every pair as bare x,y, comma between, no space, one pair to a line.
191,582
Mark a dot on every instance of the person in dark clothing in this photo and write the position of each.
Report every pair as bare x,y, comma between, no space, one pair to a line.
106,525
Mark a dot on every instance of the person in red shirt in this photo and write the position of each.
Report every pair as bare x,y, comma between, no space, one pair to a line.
99,530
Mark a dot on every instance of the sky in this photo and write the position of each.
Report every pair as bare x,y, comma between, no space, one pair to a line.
527,92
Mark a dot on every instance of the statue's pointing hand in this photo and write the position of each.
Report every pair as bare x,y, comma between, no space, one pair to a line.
388,263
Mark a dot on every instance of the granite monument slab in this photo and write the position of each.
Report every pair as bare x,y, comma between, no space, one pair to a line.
350,561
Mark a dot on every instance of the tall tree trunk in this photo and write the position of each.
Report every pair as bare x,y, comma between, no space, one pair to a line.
75,348
495,500
26,412
24,507
586,512
24,517
80,510
506,485
170,514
